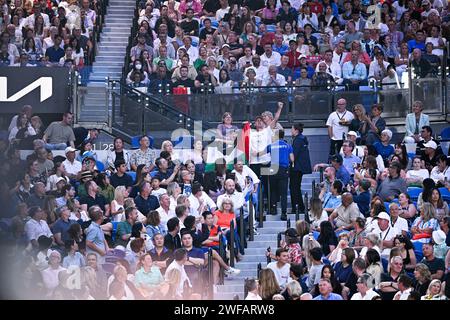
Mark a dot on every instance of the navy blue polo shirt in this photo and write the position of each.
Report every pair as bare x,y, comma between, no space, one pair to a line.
343,175
62,227
194,253
145,206
279,153
54,55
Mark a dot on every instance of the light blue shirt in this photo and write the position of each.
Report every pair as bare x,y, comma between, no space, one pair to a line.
349,161
358,72
76,260
95,234
332,296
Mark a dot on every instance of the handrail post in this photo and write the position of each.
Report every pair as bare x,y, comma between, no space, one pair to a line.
258,269
260,206
241,227
306,208
279,239
222,254
321,174
288,223
313,188
232,244
210,275
250,219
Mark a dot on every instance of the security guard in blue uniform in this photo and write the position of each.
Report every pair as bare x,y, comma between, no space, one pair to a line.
281,155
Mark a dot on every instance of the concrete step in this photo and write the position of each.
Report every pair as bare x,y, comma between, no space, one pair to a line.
262,244
254,258
248,266
227,295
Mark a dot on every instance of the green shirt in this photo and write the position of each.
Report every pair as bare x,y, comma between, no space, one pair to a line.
123,228
151,278
108,193
198,64
169,62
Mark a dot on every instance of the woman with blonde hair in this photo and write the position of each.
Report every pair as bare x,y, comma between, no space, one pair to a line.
356,124
173,191
434,291
317,214
117,205
268,284
169,287
422,277
424,225
168,146
293,290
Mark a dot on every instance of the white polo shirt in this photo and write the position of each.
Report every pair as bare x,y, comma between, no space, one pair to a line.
72,168
333,121
274,59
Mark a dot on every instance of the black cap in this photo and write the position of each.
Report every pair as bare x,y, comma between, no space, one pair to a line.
337,158
291,232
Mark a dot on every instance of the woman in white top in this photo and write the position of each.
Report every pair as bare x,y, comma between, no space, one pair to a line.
117,205
21,130
317,214
60,172
307,17
168,146
289,33
224,85
173,190
371,241
415,176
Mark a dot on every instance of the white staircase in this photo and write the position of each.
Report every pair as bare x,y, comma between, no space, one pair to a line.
256,250
109,59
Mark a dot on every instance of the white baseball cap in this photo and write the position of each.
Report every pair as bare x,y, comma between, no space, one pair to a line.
383,215
430,144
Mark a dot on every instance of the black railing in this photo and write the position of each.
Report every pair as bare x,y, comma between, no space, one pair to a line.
210,291
251,220
306,202
131,38
260,206
223,255
242,231
232,244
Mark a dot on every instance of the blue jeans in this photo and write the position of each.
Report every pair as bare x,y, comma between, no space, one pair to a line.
55,146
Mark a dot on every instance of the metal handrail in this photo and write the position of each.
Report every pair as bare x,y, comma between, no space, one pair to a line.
210,275
231,244
223,255
260,206
241,227
250,219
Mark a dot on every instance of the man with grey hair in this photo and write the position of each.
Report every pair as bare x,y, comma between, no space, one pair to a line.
273,79
364,286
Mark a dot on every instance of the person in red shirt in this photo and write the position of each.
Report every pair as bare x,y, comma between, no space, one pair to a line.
293,55
266,37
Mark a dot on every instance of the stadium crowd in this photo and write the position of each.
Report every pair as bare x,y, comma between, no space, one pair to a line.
140,224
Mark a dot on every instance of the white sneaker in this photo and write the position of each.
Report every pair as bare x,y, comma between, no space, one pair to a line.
232,271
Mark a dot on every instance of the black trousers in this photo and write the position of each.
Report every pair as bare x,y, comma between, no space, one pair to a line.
264,178
295,188
278,189
335,146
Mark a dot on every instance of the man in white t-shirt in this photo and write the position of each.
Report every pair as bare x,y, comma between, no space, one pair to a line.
398,223
281,267
363,285
73,167
181,257
386,233
337,123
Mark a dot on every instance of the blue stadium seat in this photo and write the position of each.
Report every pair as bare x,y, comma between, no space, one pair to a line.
271,28
135,142
152,140
414,192
386,205
316,235
132,174
100,166
445,133
418,250
385,263
445,194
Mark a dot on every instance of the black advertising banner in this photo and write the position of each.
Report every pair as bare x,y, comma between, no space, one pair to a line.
46,89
